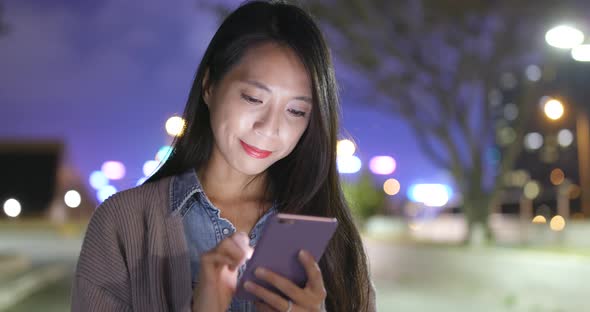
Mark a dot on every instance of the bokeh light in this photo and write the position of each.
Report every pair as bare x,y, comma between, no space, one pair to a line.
114,170
557,176
382,165
533,73
345,148
12,208
532,189
105,192
510,111
565,137
564,37
163,153
432,195
140,181
391,186
175,126
581,53
575,191
348,164
553,109
72,199
539,220
506,135
533,141
149,167
98,179
557,223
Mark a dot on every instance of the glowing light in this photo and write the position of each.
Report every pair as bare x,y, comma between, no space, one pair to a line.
533,73
348,164
565,137
12,208
98,180
432,195
105,192
564,37
532,189
506,135
495,97
345,148
149,167
557,223
557,176
553,109
140,181
510,111
581,53
382,165
163,153
391,187
175,126
575,191
72,199
539,220
533,141
516,178
113,170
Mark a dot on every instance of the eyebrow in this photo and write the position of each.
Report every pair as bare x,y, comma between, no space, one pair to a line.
267,89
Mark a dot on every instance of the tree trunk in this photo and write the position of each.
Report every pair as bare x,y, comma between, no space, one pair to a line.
476,210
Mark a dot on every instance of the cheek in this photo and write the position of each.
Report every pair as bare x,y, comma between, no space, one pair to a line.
293,136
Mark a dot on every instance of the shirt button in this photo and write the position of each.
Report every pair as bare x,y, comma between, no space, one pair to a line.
225,231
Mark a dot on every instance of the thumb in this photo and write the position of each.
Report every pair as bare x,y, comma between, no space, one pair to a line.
243,241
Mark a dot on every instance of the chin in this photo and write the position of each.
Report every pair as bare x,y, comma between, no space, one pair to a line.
252,168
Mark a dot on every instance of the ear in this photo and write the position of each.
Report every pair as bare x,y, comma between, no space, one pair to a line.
206,87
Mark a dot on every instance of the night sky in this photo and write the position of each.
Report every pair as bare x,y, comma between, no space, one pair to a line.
104,77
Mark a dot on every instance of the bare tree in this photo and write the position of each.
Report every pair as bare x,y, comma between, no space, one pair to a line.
438,64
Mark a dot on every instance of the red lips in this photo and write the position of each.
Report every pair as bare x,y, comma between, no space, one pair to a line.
254,152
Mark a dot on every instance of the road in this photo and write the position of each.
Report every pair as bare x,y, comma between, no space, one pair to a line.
407,277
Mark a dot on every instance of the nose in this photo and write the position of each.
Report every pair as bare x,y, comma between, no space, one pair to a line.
268,123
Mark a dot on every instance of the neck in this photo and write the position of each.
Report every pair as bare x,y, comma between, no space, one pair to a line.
223,183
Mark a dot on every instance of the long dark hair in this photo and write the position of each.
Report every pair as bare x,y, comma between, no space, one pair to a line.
306,181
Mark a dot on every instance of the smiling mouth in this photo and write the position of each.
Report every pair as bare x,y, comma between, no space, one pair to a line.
254,152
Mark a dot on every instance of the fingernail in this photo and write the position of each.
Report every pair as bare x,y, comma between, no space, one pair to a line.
260,272
248,285
302,254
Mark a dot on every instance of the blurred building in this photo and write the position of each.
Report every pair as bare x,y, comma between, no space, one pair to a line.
35,182
555,155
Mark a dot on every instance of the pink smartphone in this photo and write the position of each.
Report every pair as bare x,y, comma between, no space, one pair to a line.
283,236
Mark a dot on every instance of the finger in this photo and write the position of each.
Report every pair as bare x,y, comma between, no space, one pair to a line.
213,260
231,249
243,241
263,307
283,284
269,297
314,275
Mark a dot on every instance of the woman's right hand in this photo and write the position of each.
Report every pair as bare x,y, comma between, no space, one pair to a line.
218,273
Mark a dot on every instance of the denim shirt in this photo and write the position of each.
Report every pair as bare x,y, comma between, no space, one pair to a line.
204,228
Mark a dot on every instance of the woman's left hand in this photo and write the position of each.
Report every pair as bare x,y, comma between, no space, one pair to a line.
309,298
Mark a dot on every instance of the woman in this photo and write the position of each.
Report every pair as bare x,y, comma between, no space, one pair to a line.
260,138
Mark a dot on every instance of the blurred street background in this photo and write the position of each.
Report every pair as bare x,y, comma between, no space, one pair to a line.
464,150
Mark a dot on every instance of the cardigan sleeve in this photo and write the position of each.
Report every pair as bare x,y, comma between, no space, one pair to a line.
101,282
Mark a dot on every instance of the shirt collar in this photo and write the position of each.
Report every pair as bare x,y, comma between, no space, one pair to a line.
183,187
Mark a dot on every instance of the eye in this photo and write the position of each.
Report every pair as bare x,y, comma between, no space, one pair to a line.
296,113
251,99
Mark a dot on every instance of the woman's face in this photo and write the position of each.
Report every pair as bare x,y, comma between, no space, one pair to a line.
260,108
